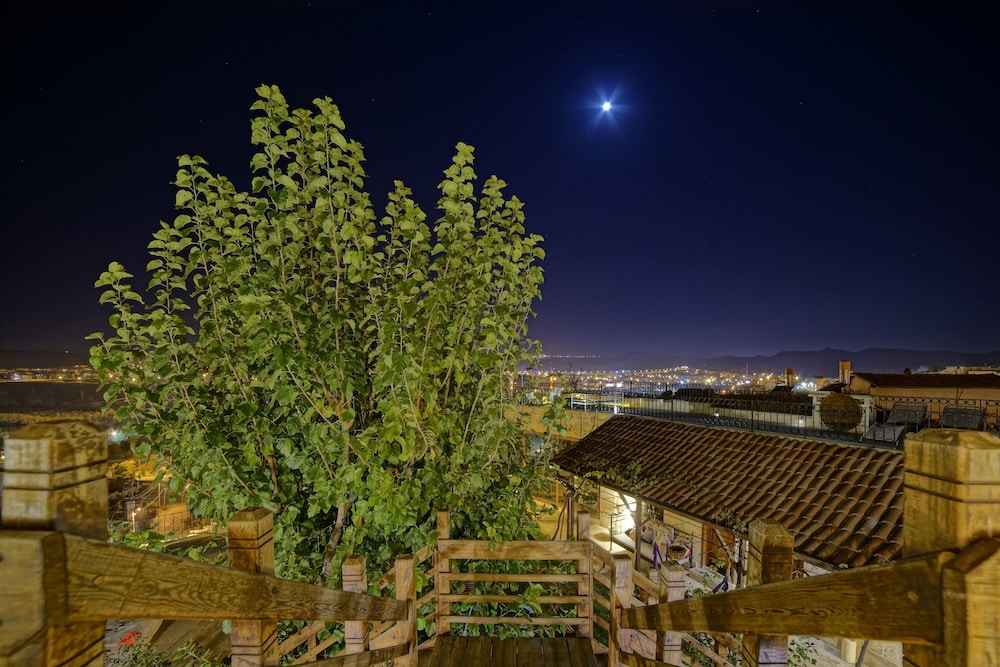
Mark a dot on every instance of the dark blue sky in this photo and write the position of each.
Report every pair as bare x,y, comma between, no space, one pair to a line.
771,177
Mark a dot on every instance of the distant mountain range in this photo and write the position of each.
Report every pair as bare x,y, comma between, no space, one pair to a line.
41,359
821,363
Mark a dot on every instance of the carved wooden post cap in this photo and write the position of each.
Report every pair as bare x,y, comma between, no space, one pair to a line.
952,487
55,478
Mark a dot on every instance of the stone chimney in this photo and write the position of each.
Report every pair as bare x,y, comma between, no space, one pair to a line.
845,372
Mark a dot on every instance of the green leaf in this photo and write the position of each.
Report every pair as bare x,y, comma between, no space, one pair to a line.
298,351
285,394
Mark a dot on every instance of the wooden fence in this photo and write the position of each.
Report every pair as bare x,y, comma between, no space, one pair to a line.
942,601
60,579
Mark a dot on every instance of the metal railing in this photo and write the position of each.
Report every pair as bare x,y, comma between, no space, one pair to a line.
849,418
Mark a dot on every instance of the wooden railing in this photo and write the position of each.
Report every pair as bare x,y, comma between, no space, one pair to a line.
60,579
942,601
626,588
450,552
305,644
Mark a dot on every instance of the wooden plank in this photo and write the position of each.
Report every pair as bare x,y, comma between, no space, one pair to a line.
849,603
478,652
108,581
457,651
514,620
505,652
555,652
406,592
539,577
529,652
301,637
389,577
636,660
32,585
372,657
513,550
728,641
496,650
316,647
542,599
972,605
581,651
708,653
449,650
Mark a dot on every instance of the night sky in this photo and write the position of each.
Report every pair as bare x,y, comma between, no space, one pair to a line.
769,177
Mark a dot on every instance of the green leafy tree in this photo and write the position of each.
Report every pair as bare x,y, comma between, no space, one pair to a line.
352,374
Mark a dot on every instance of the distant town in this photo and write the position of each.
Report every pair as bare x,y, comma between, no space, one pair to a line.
79,373
678,376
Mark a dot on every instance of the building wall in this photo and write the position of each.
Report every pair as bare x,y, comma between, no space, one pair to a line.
579,423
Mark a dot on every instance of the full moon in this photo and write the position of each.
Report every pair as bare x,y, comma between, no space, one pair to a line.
606,106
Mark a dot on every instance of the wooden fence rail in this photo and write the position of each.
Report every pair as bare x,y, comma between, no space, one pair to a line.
942,601
450,551
60,579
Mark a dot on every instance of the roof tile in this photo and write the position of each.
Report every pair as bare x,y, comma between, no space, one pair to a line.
843,503
932,380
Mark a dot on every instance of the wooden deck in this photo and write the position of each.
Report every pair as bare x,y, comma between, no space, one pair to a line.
452,651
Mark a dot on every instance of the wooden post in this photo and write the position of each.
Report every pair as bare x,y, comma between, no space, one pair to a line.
951,486
355,578
637,536
671,588
583,525
570,511
972,606
442,566
250,534
55,480
770,560
585,588
406,589
620,597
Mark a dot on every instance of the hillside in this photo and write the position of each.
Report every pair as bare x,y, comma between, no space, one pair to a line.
819,363
41,359
32,397
816,363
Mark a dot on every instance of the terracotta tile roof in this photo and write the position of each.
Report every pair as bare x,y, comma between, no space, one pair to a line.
932,380
844,504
